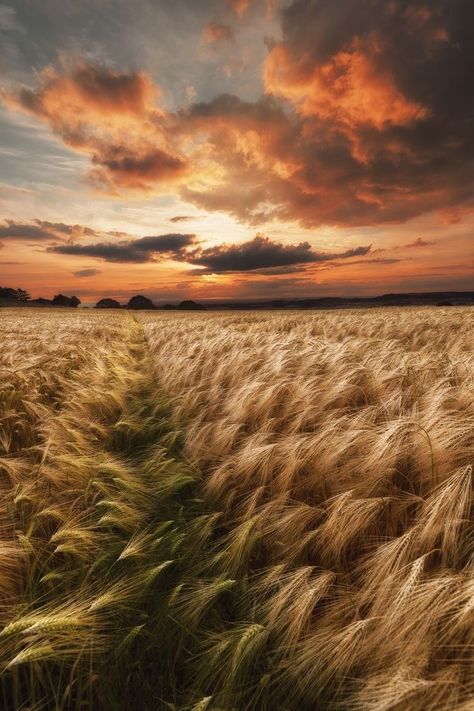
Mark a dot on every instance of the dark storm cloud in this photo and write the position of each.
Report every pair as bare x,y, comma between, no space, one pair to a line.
381,129
397,87
262,253
145,249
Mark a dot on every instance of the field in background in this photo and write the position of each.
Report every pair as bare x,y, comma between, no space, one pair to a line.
236,511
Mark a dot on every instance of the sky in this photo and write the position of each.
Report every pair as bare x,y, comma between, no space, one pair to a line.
236,149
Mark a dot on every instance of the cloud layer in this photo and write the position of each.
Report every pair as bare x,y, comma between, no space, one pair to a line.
262,253
377,132
40,230
112,117
258,254
364,119
144,249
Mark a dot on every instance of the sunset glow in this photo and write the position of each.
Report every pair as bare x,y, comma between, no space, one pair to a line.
235,149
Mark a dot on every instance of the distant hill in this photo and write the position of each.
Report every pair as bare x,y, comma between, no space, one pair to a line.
430,298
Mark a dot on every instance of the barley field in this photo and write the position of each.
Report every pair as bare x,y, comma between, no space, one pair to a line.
237,511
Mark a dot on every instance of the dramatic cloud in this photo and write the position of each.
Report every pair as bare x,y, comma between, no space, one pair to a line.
392,79
145,249
262,253
216,32
365,120
86,272
110,116
380,93
350,89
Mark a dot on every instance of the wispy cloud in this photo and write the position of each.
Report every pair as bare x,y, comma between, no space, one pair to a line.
418,242
86,272
181,218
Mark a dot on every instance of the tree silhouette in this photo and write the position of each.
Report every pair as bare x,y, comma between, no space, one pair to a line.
140,302
7,292
61,300
108,304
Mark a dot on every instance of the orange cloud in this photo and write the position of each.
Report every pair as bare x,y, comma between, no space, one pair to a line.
271,167
87,92
350,89
363,122
112,117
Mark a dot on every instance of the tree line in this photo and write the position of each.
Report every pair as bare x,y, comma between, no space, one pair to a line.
22,296
139,301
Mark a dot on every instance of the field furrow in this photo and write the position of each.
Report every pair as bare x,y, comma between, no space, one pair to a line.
102,522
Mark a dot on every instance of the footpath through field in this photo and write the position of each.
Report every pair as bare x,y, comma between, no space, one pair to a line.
117,594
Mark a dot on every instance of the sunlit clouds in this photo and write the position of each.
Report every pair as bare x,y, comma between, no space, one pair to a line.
111,117
340,136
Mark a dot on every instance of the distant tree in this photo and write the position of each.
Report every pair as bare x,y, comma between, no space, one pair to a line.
108,304
169,307
189,305
22,295
140,302
61,300
7,292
